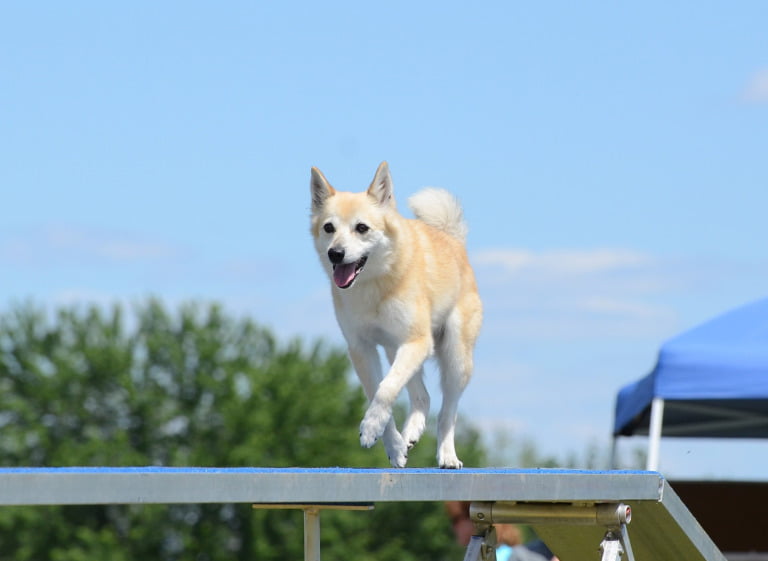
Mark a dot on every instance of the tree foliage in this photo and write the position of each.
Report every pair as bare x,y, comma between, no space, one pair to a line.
85,386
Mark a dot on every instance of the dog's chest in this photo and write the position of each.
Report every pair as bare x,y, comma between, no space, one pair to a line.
383,322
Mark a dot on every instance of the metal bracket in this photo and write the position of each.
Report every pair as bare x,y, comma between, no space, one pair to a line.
482,547
614,516
615,543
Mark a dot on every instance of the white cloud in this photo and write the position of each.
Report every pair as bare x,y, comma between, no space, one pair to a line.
108,246
574,293
757,87
617,307
66,243
562,261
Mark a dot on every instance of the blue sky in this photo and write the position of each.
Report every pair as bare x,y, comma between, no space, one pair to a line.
611,160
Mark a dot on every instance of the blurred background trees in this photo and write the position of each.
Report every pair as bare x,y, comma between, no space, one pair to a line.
85,386
195,386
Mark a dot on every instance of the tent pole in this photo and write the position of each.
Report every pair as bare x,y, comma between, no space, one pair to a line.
654,433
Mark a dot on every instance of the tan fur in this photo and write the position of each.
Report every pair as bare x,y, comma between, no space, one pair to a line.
415,296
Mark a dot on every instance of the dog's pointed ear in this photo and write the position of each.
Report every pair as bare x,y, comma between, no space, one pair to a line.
381,188
320,189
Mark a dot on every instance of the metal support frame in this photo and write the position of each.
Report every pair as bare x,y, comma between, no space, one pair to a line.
312,534
312,521
482,545
615,543
667,531
614,516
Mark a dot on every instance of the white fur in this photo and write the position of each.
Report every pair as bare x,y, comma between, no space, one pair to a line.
415,297
441,210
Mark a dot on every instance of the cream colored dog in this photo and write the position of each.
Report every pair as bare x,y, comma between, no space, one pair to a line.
407,286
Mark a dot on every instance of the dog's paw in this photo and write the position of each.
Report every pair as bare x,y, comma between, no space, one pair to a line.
373,425
398,460
367,439
370,432
397,449
449,463
414,428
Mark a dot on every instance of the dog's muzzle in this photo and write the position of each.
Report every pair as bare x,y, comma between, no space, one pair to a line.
344,274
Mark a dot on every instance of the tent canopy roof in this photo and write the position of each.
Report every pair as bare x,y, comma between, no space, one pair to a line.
713,379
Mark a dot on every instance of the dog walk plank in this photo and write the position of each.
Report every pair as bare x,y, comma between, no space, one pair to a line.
662,527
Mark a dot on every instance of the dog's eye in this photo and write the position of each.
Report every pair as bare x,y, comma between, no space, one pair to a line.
362,228
328,228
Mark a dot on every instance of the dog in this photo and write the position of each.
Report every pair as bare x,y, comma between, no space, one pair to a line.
404,285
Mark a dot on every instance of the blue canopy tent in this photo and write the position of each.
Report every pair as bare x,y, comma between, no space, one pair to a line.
710,381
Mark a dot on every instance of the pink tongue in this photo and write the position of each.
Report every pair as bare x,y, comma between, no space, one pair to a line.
344,274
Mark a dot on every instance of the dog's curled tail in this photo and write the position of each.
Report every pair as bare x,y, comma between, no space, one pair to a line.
441,210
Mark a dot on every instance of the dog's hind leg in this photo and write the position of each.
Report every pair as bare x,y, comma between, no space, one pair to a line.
454,356
417,416
446,424
366,361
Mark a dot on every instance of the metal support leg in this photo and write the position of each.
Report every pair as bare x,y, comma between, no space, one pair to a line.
312,521
610,547
625,542
311,534
615,544
482,546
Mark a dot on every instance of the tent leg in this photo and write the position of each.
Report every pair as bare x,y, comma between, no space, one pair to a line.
613,461
654,433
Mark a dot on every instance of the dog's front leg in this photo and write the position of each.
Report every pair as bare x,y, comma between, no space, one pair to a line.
408,359
416,421
367,363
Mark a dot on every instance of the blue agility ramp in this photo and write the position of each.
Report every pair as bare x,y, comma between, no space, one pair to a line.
576,513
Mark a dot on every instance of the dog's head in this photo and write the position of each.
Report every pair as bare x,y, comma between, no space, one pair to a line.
351,230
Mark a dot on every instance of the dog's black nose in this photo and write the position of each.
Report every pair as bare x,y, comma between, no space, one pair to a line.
336,255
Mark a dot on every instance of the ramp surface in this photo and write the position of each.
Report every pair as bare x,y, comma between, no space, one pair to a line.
661,528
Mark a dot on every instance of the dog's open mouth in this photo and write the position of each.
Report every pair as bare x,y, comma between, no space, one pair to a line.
344,274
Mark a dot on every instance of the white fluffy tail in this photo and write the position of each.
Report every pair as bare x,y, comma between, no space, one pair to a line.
441,210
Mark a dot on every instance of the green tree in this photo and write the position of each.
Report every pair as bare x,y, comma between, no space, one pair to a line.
87,386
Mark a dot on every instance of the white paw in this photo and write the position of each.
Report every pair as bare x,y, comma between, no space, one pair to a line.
367,437
449,462
373,425
414,428
397,450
